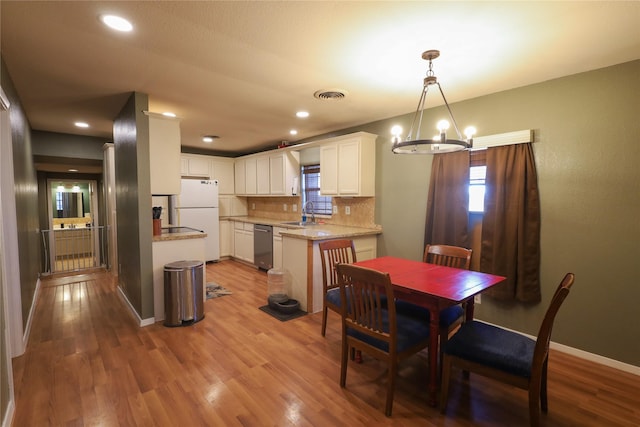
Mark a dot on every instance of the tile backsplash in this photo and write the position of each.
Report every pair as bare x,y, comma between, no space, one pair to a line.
361,210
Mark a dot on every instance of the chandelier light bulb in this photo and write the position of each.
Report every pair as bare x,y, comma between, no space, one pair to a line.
469,132
396,130
443,125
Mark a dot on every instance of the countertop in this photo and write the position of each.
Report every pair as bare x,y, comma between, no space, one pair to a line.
311,232
168,236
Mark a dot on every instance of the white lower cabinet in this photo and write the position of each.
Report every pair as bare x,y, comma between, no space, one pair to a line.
226,240
277,248
243,241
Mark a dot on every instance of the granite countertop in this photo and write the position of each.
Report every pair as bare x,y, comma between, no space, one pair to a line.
311,232
179,233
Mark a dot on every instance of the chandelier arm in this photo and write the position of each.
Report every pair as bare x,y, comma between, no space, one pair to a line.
418,112
455,125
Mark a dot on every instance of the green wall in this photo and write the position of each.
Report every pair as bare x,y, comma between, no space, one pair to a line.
587,151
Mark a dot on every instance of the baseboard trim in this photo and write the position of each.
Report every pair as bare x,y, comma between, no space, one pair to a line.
27,329
141,322
581,354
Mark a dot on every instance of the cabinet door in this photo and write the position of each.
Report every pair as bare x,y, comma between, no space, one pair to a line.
329,170
240,177
164,155
262,175
225,238
199,166
250,172
277,174
277,248
223,171
348,168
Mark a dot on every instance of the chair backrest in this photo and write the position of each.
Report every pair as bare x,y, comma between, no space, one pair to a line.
364,290
541,350
449,256
333,252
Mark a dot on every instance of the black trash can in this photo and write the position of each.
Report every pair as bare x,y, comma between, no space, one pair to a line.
183,293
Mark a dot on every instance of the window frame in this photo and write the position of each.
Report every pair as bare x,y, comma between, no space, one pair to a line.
322,205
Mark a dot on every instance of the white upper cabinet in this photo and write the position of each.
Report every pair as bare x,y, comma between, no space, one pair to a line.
348,166
250,174
164,154
240,177
269,174
284,172
222,170
210,167
262,176
195,165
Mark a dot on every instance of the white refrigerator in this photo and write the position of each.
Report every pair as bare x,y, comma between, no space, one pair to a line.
197,207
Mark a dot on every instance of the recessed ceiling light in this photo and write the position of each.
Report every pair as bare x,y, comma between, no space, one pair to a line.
116,23
169,114
74,170
209,138
302,114
81,124
293,132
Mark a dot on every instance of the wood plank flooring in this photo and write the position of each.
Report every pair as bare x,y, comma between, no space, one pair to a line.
88,363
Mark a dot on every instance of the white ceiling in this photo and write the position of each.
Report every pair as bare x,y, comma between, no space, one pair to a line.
241,70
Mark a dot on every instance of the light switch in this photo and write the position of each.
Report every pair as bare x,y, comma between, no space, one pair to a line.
294,207
284,207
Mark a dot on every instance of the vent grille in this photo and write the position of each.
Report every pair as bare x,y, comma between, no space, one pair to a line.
331,94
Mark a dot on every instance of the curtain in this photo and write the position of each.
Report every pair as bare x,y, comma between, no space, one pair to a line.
448,200
511,223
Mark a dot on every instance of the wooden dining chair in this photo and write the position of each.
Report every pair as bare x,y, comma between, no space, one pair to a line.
373,327
450,317
505,355
332,252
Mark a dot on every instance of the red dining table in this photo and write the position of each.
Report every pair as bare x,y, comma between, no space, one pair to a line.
434,287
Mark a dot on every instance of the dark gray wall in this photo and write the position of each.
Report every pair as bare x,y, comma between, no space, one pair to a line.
53,144
26,199
133,199
26,192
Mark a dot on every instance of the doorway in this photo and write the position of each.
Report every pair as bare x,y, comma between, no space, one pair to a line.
74,241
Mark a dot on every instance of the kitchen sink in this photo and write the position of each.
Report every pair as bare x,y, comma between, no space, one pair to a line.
299,223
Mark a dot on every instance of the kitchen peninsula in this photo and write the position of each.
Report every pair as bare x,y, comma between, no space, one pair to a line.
301,254
173,244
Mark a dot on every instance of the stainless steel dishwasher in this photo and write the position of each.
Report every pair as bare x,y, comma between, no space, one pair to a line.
263,246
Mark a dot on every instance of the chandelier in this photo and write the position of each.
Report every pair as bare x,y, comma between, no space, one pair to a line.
439,143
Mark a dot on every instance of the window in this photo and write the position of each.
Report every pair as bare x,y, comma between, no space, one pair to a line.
311,191
477,174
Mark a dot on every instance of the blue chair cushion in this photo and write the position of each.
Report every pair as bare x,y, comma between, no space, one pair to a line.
333,296
492,346
447,316
410,332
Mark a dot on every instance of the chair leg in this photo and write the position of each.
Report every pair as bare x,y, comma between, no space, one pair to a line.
534,403
444,385
543,388
343,361
323,331
391,385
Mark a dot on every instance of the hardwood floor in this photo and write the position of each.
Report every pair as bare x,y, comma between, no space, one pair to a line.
88,363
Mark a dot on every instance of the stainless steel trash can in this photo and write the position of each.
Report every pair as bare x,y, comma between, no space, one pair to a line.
183,293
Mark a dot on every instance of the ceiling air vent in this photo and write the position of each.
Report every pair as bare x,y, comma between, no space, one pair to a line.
331,94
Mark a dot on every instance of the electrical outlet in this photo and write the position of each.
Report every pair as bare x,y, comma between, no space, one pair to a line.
294,207
477,299
347,210
284,207
335,209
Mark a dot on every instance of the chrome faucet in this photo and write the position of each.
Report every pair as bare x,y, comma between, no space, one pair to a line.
304,209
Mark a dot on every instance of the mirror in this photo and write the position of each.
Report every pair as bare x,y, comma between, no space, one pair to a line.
69,205
70,200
